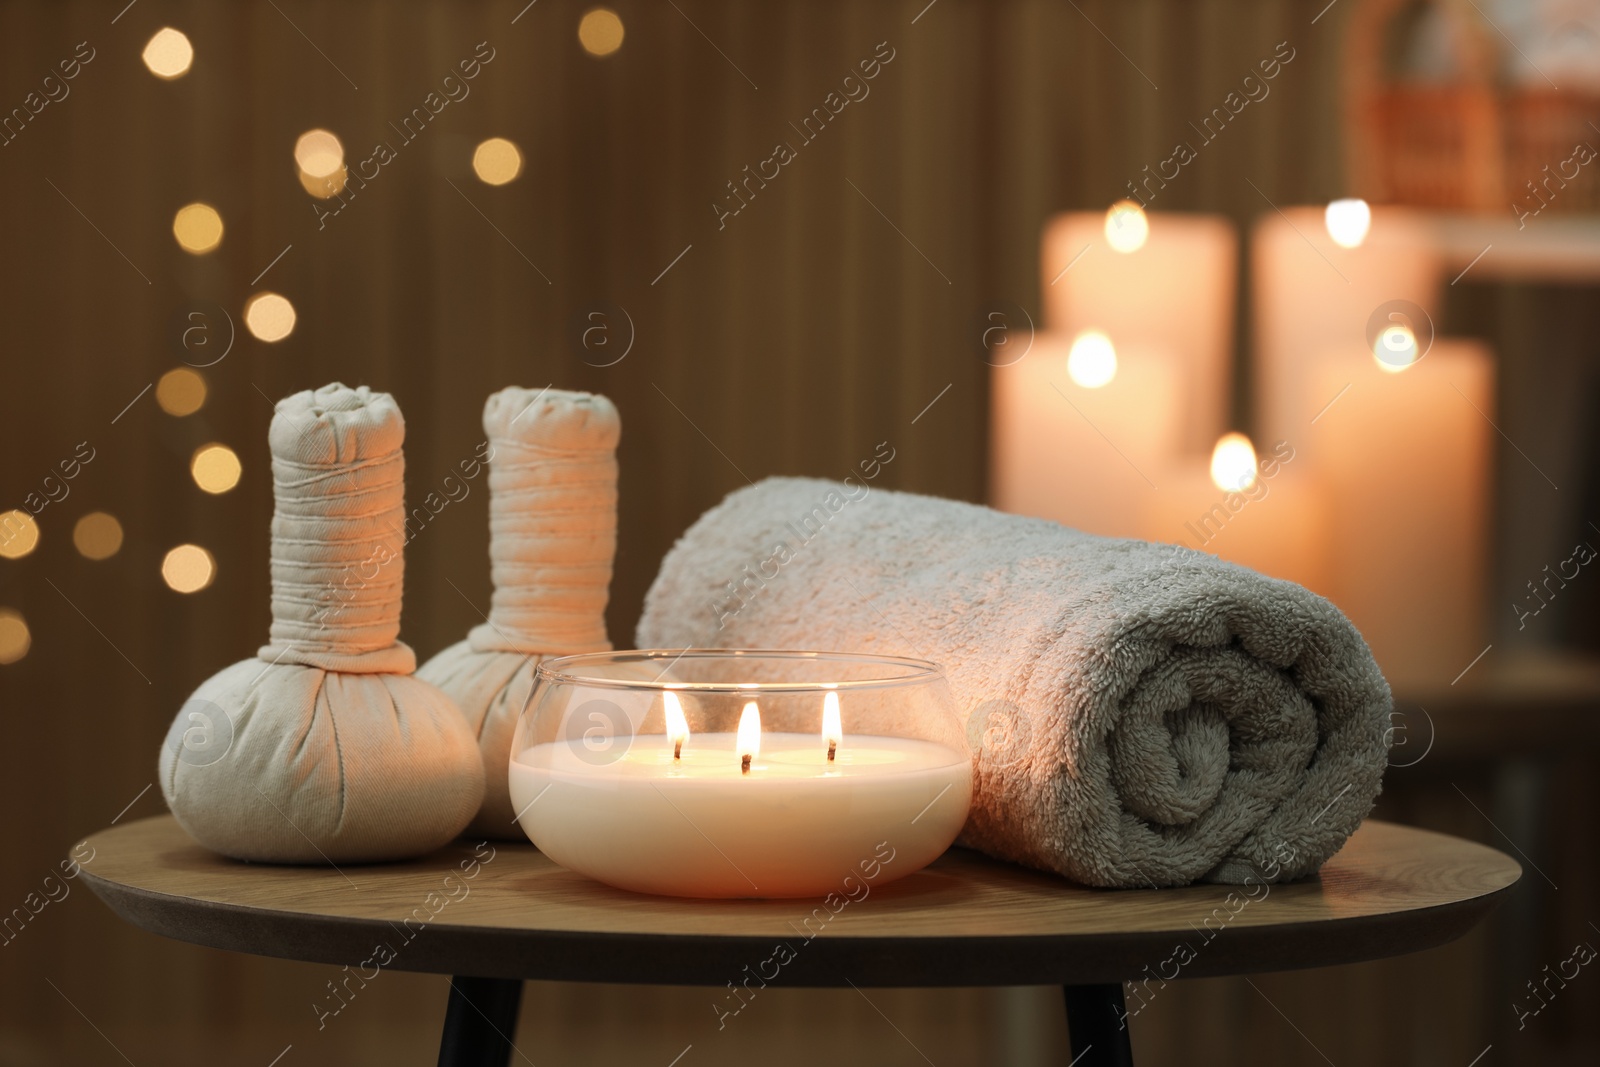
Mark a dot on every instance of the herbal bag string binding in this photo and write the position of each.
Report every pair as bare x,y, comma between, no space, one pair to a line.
552,538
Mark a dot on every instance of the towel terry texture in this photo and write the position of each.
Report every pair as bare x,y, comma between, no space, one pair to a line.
1140,714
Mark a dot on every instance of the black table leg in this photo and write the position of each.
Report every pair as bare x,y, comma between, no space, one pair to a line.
479,1022
1097,1024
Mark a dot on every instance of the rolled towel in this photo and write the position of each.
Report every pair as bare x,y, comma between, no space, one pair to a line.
323,748
552,537
1140,714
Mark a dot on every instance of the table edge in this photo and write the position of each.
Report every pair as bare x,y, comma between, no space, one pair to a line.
701,960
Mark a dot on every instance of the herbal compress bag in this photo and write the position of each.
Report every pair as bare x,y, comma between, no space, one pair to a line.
324,748
552,539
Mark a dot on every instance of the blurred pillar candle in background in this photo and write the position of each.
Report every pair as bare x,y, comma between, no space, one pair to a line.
1082,454
1160,279
1405,452
1319,276
1275,522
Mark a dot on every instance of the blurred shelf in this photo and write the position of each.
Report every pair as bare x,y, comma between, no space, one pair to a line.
1519,704
1549,248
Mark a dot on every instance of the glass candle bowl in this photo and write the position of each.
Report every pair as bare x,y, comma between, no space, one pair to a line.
718,773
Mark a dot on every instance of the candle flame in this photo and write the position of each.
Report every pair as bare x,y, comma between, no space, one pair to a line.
832,731
1233,463
1396,348
677,725
1348,222
749,737
1092,360
1127,228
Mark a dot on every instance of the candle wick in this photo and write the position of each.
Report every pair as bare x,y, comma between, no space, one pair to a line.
833,747
744,764
677,749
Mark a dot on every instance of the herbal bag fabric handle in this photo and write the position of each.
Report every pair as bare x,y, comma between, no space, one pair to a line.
1140,714
323,748
552,539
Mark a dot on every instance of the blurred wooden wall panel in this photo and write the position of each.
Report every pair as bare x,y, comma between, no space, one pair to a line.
828,315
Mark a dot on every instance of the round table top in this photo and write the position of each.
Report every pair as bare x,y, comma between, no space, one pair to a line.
503,910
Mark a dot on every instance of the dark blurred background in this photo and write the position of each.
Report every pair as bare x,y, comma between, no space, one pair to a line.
826,316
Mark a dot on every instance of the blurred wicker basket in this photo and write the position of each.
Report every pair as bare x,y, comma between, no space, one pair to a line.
1473,143
1543,127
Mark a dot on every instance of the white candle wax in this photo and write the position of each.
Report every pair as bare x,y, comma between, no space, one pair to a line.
1277,525
1084,457
1407,458
1313,297
1175,294
794,825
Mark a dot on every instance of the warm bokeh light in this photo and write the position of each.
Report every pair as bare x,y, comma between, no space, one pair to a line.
181,391
168,54
269,317
215,468
1233,463
1347,222
497,161
319,161
198,228
97,535
324,188
1395,348
319,154
1126,226
600,31
1092,360
14,636
188,569
19,534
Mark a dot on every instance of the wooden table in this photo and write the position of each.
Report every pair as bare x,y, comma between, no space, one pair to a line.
506,913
